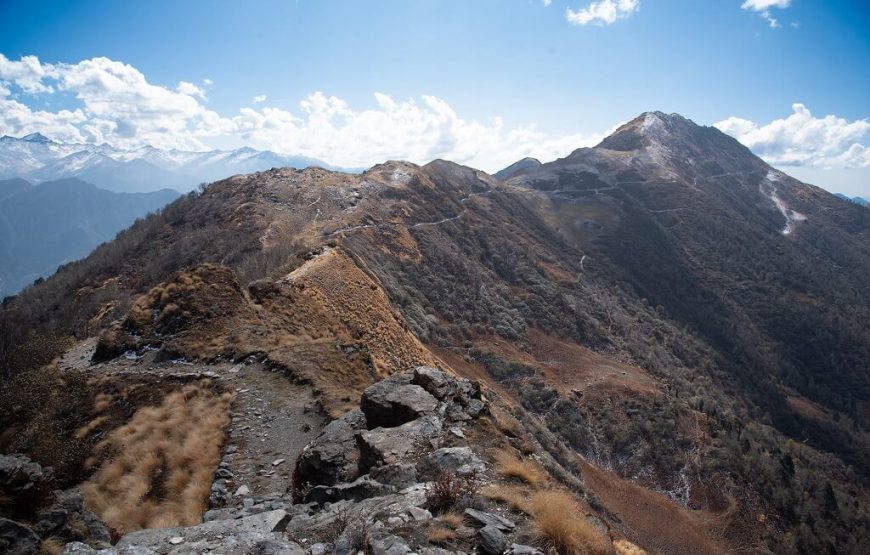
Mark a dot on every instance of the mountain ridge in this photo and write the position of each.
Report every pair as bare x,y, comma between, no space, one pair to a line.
647,312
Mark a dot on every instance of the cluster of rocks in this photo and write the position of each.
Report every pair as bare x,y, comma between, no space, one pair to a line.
40,512
364,484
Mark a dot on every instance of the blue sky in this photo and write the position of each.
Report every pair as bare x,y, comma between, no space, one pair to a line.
501,78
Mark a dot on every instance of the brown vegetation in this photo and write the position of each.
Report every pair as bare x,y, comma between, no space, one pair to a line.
159,466
447,490
527,471
561,525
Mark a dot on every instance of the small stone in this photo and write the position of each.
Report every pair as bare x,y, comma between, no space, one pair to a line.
520,549
243,490
419,514
276,462
319,549
175,540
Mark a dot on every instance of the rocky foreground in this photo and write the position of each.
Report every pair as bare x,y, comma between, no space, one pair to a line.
401,474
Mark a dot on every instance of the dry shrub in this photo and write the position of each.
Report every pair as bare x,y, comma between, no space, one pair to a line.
561,525
511,466
447,490
159,466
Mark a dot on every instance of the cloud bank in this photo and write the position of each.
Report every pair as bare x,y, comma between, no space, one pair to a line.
117,105
802,139
114,103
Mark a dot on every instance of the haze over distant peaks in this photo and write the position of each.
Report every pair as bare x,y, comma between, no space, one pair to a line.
38,158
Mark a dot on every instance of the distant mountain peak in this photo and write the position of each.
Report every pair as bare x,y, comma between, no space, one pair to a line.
517,167
36,138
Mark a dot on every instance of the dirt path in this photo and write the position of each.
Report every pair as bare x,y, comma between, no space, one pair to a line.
272,419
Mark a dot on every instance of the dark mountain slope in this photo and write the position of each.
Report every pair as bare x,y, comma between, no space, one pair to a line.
769,270
638,300
45,226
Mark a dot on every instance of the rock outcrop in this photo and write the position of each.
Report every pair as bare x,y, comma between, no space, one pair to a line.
361,485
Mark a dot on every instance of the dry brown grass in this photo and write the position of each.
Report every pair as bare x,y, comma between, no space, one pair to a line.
528,471
625,547
561,525
440,535
160,464
102,402
452,519
51,546
514,496
91,426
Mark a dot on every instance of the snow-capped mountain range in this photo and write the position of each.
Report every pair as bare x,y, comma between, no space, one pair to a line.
37,158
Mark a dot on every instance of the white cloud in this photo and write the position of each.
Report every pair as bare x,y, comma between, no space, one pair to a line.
546,3
602,12
207,82
117,105
27,73
190,89
327,127
259,99
804,140
763,7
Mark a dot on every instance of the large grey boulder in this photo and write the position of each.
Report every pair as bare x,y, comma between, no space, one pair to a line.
388,404
492,540
68,520
24,483
333,455
259,534
387,544
438,383
399,475
17,539
460,461
361,488
392,445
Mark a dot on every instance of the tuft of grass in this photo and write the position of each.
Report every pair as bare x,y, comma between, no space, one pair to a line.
440,535
158,467
561,525
51,545
451,520
102,402
525,470
625,547
514,496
